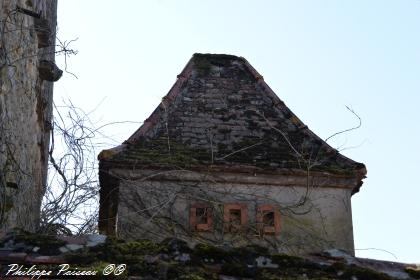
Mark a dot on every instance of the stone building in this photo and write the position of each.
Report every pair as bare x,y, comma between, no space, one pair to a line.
27,73
222,160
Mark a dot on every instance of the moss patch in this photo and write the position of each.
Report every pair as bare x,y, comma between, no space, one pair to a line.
48,244
118,252
160,153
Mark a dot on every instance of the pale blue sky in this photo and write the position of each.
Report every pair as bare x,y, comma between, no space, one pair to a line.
318,56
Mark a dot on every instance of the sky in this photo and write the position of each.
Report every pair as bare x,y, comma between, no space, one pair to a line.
319,56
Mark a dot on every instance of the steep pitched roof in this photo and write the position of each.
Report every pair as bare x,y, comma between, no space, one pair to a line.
220,114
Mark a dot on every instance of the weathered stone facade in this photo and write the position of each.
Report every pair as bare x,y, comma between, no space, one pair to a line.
223,160
27,51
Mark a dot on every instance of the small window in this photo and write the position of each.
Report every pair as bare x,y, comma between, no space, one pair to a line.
235,216
201,217
268,219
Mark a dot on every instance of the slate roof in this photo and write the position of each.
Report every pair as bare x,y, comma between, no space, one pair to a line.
220,114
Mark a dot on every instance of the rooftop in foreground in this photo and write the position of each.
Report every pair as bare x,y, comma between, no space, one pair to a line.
172,259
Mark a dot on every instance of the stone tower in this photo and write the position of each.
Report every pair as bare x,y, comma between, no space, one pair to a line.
223,160
27,73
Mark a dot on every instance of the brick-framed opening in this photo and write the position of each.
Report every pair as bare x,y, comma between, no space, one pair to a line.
235,216
201,217
268,219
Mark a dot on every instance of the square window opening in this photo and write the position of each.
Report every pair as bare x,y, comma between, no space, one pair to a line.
268,218
235,217
202,215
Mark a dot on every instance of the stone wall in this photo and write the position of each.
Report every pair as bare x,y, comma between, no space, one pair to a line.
27,72
313,217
